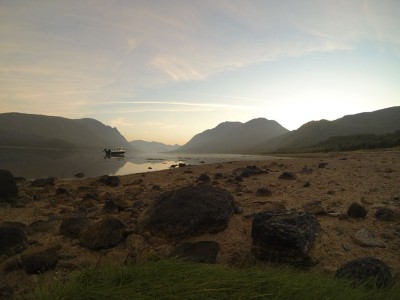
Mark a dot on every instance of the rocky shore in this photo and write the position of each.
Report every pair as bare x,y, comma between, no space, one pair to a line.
316,211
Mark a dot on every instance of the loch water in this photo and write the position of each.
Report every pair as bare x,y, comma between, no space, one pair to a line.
40,163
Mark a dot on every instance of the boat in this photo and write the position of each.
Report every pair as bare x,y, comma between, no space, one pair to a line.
115,151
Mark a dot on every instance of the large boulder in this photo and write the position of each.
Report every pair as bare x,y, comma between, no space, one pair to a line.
368,270
73,226
284,237
189,211
39,260
104,234
8,187
12,239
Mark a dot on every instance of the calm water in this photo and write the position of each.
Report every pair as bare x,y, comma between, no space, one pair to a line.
33,164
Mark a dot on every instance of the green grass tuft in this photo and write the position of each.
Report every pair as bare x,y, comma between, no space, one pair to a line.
172,279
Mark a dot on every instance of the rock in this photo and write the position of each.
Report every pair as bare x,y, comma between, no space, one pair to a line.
12,239
39,260
61,191
200,252
387,214
110,180
218,176
203,178
306,170
237,209
315,207
181,165
284,237
79,175
248,171
42,182
355,210
322,165
73,227
346,247
368,270
40,226
110,207
189,211
8,187
104,234
366,238
306,184
264,191
287,176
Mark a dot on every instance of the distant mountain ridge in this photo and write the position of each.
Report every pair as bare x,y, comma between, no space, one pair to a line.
377,122
152,147
233,137
29,130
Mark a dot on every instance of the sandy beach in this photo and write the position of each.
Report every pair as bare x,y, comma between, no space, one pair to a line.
371,179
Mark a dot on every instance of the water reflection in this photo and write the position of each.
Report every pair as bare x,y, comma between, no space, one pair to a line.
33,164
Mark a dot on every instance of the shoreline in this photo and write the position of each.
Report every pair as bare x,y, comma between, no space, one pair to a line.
337,179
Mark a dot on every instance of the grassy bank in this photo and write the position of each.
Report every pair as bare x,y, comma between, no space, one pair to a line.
180,280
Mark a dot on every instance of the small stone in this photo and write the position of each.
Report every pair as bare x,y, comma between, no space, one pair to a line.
79,175
110,180
264,191
355,210
42,182
203,178
306,184
322,165
74,226
287,176
366,238
346,247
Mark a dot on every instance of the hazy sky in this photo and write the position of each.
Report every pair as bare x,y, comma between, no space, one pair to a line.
166,70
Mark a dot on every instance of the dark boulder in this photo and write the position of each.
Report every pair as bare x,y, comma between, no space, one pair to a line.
12,239
110,207
104,234
248,171
110,180
42,182
73,227
39,260
201,252
8,187
189,211
322,165
284,237
287,176
61,191
356,211
369,270
264,191
203,178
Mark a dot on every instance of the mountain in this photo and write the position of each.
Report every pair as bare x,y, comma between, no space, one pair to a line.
28,130
377,122
233,137
152,147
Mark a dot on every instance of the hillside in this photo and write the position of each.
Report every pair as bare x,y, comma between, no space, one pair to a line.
152,147
377,122
233,137
28,130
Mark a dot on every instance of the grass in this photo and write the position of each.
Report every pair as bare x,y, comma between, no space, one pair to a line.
172,279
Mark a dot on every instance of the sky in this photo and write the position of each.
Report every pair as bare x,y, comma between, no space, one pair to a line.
167,70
